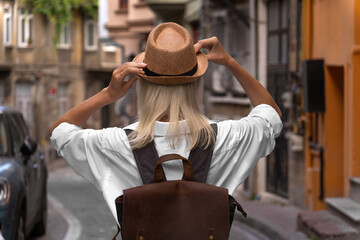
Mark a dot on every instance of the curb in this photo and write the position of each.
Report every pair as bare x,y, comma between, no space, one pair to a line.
74,228
274,221
271,232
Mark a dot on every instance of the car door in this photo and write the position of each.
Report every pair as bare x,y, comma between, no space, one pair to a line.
29,164
37,175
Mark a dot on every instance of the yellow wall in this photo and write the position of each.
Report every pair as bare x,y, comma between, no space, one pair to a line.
354,145
329,33
333,30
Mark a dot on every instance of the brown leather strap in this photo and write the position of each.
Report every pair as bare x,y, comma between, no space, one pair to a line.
201,159
118,231
145,158
188,170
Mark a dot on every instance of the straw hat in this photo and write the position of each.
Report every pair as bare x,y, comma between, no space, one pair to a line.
170,56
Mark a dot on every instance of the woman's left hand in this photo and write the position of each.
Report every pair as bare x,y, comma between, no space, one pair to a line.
119,85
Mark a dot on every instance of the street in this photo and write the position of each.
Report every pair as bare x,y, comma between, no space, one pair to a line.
76,210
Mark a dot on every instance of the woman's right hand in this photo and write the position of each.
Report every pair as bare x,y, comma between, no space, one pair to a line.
217,53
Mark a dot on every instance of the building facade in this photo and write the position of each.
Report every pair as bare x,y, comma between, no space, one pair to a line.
129,23
331,33
44,80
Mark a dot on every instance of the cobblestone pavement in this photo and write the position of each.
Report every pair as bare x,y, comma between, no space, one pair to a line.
72,197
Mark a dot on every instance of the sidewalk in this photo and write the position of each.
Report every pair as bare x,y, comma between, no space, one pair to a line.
273,220
57,163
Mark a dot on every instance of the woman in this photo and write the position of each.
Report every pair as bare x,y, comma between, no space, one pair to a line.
168,86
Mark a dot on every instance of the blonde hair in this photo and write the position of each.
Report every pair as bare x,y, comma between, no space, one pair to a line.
177,102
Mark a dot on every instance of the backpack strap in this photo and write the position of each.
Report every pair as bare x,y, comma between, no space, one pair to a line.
201,159
147,157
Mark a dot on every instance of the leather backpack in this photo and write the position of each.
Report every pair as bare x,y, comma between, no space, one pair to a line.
175,210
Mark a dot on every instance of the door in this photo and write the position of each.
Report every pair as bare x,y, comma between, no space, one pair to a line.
277,79
30,165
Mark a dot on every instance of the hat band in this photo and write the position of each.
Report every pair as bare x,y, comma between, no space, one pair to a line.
148,72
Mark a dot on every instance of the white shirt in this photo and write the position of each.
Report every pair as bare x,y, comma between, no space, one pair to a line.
104,157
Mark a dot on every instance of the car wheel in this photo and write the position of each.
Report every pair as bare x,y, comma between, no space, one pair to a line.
20,227
40,226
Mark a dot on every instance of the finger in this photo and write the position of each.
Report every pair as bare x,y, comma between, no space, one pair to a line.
134,70
127,85
128,77
124,66
197,47
129,70
136,64
209,57
206,43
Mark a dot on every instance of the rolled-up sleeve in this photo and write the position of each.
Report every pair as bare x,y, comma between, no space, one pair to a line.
241,143
81,148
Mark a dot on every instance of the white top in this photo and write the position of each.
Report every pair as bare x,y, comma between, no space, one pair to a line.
104,157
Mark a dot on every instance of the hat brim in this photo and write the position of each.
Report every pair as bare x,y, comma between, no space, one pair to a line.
175,80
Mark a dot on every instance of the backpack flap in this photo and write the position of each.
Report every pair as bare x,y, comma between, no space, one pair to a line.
176,210
233,204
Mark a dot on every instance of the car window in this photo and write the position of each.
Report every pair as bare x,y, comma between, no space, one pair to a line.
21,121
17,134
21,124
4,151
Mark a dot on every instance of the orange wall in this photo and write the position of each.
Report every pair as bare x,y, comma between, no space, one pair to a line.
333,134
330,29
333,30
355,111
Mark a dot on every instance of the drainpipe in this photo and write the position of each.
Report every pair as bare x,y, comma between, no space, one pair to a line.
319,151
253,38
103,19
15,26
203,34
202,19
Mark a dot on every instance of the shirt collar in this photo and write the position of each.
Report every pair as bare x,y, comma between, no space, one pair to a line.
162,127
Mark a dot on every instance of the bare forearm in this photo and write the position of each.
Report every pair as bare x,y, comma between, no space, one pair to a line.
79,114
255,91
117,88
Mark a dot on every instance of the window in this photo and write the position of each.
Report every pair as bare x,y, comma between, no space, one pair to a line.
90,35
63,98
123,4
24,101
278,32
7,25
26,28
64,38
17,135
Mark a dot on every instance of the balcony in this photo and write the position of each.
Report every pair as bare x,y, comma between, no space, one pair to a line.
168,10
108,56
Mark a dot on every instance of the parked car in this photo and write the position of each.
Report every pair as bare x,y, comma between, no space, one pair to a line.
23,177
